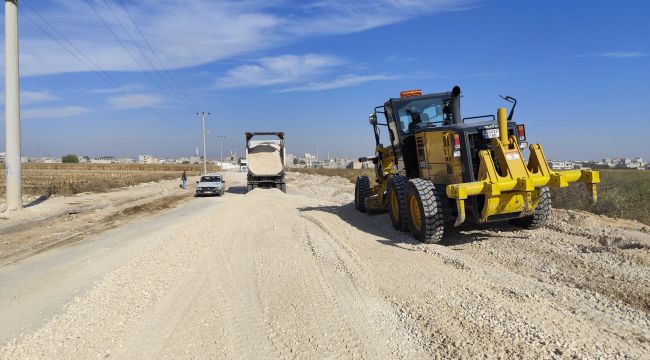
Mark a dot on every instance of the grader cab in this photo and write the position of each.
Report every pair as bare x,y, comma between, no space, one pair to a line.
440,168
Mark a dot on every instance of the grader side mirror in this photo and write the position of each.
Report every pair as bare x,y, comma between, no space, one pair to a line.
372,119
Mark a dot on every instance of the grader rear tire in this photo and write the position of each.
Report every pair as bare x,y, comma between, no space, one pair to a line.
361,192
397,202
541,215
425,216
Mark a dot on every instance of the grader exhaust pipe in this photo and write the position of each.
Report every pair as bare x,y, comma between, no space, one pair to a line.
455,105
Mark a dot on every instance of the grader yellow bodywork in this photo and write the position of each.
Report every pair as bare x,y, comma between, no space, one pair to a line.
442,169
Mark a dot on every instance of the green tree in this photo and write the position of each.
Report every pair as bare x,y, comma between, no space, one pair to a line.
70,159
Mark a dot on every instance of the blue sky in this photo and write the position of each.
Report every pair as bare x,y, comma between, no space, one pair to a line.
580,70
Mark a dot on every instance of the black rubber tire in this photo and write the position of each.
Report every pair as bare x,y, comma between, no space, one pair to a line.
397,185
250,188
541,215
432,219
361,192
283,188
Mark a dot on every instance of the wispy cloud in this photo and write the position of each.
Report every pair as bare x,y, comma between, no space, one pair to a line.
115,90
624,54
53,112
339,82
344,16
135,101
28,96
614,54
283,69
186,34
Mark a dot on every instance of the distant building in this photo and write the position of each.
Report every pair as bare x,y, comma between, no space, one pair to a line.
195,159
103,160
356,164
147,159
636,163
126,160
3,156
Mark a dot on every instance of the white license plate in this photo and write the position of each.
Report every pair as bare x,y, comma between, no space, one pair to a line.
490,133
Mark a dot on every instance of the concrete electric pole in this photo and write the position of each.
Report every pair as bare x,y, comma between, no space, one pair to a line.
205,158
12,108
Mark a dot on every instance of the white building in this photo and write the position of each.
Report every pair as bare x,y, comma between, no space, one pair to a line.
147,159
126,160
195,159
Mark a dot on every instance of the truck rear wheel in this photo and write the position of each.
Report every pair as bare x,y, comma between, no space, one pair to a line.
540,216
397,202
361,192
283,188
250,188
426,220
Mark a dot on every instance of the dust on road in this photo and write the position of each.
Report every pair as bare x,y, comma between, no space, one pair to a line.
303,275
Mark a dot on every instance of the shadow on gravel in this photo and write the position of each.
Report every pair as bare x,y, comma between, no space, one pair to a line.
380,226
237,190
41,199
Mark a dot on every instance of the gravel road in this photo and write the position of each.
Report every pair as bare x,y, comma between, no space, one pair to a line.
303,275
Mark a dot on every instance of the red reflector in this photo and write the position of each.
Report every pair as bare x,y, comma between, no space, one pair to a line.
521,132
456,141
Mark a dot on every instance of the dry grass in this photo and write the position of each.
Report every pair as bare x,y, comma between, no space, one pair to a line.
350,174
622,193
68,179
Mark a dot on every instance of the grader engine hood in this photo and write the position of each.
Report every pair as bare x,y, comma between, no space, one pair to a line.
515,189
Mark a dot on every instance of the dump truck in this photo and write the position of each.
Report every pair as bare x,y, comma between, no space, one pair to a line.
265,159
442,170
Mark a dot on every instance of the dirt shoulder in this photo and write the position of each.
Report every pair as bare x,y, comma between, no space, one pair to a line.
58,220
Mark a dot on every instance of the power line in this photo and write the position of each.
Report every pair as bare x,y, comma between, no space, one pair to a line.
126,49
135,24
144,55
88,62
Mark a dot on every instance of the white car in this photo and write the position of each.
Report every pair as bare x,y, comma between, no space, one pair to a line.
210,184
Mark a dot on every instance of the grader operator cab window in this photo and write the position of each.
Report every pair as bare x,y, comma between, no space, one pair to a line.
420,114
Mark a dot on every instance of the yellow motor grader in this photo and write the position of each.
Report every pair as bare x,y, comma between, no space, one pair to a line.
441,168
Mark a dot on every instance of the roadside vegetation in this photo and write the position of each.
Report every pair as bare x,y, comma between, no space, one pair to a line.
72,178
621,194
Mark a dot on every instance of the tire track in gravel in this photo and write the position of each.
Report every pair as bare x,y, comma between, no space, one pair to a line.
487,303
329,305
358,297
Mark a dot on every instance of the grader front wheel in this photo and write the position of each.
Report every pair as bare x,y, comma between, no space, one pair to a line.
426,219
361,192
396,203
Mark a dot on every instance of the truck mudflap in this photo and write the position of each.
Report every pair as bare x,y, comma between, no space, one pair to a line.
515,189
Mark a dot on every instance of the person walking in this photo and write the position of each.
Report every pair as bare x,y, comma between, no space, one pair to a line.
184,180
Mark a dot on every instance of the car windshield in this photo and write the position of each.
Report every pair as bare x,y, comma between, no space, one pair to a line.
420,114
210,178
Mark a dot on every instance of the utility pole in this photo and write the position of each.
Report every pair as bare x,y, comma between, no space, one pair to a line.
221,137
12,108
205,158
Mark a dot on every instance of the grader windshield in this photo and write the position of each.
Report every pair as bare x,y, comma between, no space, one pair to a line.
416,113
